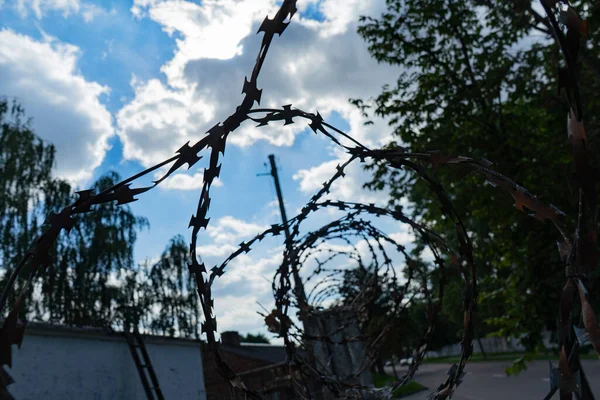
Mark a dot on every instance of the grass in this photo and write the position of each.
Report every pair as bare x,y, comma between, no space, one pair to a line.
380,380
502,357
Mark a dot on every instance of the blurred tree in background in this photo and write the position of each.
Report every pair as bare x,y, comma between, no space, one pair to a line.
171,291
82,284
92,279
375,293
478,78
258,338
25,175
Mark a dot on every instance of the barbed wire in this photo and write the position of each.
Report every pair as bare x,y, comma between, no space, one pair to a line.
579,252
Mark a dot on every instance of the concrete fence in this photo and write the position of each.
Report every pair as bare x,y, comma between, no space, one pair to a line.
63,363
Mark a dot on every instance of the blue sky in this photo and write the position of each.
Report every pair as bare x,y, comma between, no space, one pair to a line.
121,85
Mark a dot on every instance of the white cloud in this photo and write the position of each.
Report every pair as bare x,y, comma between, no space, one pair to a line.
361,248
402,238
339,14
254,275
158,121
52,86
212,30
183,181
247,279
307,67
215,250
348,188
272,208
229,229
40,7
314,66
239,313
91,11
109,49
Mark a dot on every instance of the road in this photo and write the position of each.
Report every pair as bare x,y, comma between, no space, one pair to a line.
487,380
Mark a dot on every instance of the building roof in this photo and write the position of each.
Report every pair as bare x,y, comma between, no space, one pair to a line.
45,329
270,353
273,354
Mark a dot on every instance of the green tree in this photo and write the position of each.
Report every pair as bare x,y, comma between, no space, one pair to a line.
75,288
257,338
378,310
79,288
373,306
478,78
25,171
169,292
92,279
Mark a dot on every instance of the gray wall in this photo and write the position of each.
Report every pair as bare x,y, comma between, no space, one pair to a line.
63,366
341,359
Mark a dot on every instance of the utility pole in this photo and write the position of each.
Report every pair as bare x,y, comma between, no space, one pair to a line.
307,322
298,286
317,352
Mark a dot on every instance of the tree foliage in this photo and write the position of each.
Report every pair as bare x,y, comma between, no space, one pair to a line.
477,78
159,298
76,287
378,307
92,279
170,290
80,285
25,174
255,338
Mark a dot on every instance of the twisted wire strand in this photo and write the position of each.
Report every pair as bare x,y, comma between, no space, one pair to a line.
462,258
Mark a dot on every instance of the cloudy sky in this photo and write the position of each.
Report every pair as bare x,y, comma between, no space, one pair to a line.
121,85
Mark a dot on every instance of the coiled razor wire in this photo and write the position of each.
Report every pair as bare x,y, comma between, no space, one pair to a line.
579,252
301,249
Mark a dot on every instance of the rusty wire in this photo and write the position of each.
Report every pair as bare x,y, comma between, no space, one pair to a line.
579,251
